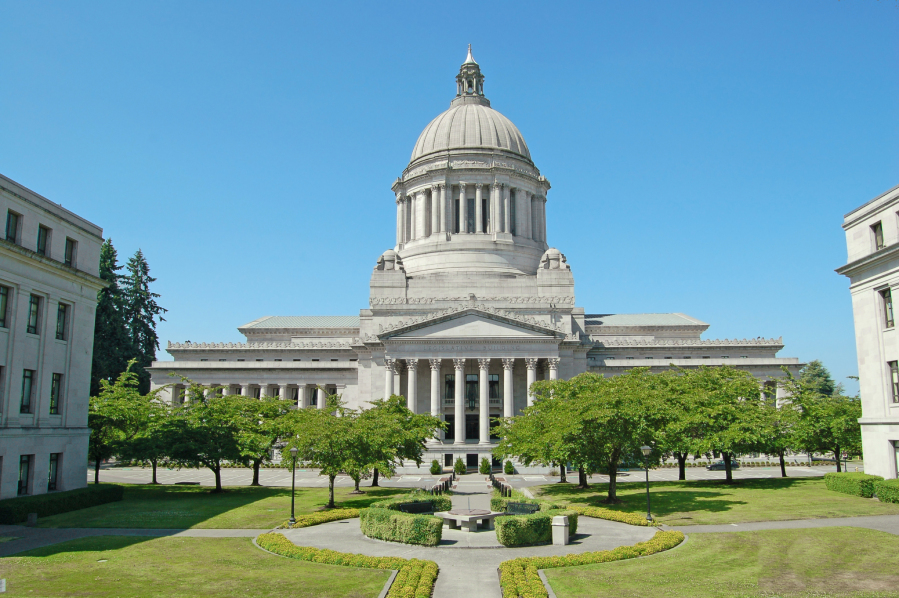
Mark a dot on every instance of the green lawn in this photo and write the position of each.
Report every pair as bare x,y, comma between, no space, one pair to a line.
182,507
175,567
835,561
713,502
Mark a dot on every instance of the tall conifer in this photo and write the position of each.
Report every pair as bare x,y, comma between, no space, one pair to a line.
112,345
141,312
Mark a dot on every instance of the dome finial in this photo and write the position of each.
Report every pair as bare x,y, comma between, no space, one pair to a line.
470,58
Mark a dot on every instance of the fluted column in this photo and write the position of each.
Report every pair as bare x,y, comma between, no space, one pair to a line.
282,392
388,377
422,199
543,219
321,397
478,213
494,212
435,210
226,390
458,407
245,390
413,209
263,390
553,368
525,214
436,410
532,377
443,228
508,397
507,222
463,209
399,219
412,381
484,411
535,217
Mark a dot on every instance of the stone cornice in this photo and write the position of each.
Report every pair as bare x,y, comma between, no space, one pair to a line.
251,331
554,300
98,234
52,265
461,310
871,260
689,342
266,345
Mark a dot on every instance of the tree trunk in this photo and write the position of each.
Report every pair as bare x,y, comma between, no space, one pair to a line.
564,478
356,481
681,465
331,491
218,478
154,461
783,464
256,464
612,497
729,476
97,471
582,478
836,456
374,478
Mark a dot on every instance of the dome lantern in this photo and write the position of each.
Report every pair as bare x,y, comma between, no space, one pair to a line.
470,82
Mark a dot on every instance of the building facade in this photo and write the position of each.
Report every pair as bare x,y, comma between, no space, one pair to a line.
49,279
872,243
468,308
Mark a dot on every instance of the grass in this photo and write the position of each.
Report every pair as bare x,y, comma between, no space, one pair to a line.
774,563
713,502
178,567
183,507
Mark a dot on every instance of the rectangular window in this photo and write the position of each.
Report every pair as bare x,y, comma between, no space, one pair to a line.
493,384
54,468
34,310
449,387
4,306
470,214
513,214
455,215
27,390
485,213
877,229
55,394
450,432
894,380
24,474
472,427
43,237
70,252
887,296
471,391
61,313
12,226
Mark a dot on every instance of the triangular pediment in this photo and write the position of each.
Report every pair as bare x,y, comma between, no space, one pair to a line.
472,323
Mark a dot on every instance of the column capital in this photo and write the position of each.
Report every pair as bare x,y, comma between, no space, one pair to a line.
435,188
442,186
553,363
399,198
508,363
531,362
435,364
411,364
459,363
497,186
484,363
462,186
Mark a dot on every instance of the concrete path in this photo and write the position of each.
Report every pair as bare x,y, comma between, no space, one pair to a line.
884,523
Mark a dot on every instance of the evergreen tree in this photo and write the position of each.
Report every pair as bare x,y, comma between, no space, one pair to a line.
141,311
112,345
815,377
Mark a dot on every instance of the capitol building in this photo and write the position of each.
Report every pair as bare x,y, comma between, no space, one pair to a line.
468,308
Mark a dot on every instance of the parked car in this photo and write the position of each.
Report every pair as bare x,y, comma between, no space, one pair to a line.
719,466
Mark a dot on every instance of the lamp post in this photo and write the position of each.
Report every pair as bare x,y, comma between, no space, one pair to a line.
647,450
293,483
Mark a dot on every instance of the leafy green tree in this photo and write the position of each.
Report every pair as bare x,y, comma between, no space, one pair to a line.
112,345
260,424
683,427
484,468
459,466
205,430
778,430
814,377
141,313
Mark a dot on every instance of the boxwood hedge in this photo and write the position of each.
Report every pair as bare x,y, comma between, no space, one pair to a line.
15,510
441,503
887,490
857,484
320,517
414,580
536,528
499,503
395,526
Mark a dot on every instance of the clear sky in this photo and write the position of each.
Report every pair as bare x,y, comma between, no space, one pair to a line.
701,155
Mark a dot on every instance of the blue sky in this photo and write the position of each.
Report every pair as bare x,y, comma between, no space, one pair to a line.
701,155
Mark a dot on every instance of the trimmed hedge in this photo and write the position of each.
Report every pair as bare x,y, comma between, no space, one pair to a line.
15,510
856,484
536,528
396,526
441,503
519,578
499,503
887,490
320,517
415,578
600,513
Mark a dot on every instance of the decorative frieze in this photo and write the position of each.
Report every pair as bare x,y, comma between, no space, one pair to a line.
690,342
262,345
542,300
460,308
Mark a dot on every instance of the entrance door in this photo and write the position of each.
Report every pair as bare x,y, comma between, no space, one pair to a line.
471,461
472,427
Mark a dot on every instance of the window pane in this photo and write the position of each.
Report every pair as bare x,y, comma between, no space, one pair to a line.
894,378
449,386
70,252
24,472
888,307
12,226
4,302
27,385
55,394
51,478
34,304
42,234
61,322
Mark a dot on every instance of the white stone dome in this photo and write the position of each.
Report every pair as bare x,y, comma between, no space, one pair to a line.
470,126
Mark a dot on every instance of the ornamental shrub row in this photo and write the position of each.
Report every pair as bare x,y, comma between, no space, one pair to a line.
320,517
499,503
414,580
856,484
15,510
441,503
536,528
396,526
887,490
600,513
519,578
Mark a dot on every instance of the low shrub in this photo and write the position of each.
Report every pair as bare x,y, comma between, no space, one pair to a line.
500,503
857,484
396,526
459,466
519,577
436,467
441,503
525,530
415,578
15,510
508,468
320,517
485,468
600,513
887,490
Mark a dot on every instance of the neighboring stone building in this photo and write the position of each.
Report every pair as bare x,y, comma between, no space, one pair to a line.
468,308
49,267
872,242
